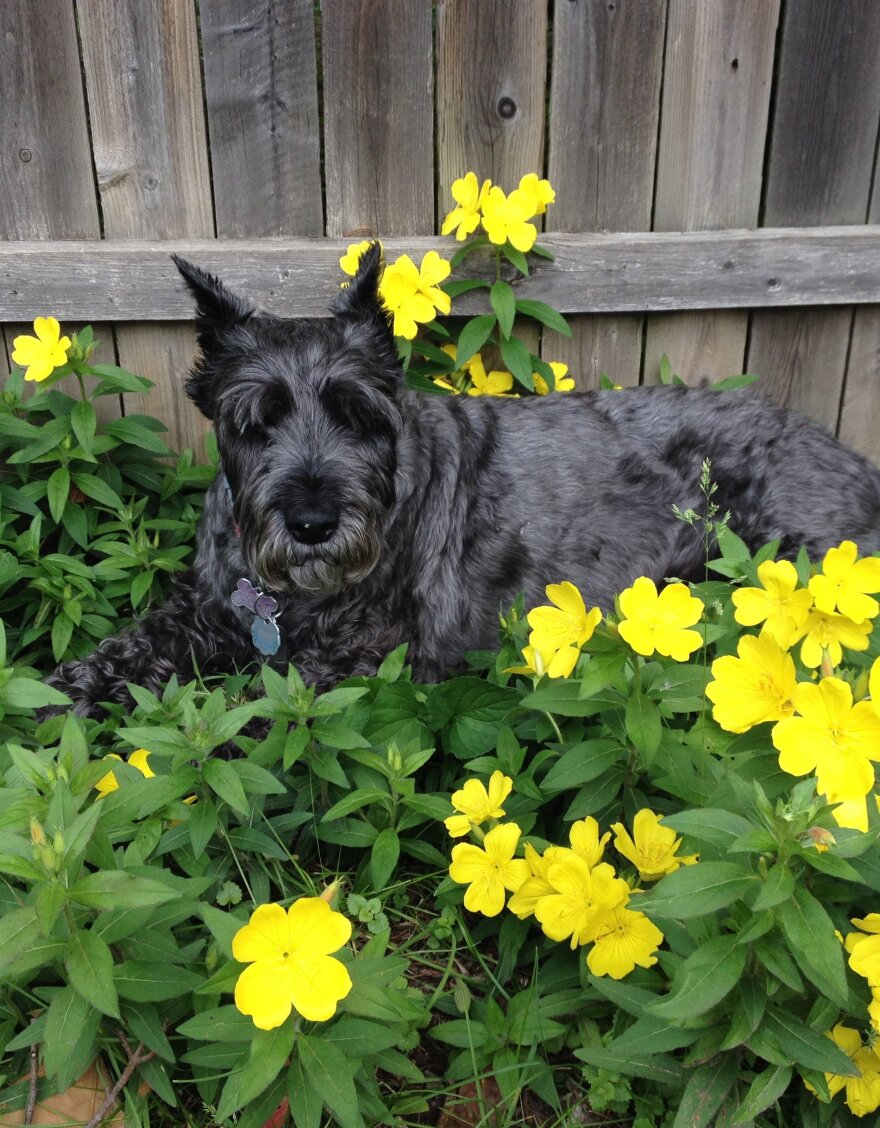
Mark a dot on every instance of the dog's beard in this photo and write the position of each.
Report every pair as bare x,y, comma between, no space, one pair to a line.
283,564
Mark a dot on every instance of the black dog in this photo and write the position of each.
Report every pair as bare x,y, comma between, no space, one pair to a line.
352,514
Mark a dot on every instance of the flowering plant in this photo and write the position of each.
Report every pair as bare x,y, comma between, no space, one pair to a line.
485,218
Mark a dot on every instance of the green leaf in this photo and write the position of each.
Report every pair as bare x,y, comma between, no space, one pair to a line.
62,630
71,1026
306,1105
805,1047
705,1089
135,433
27,693
582,763
222,779
201,824
544,313
330,1073
778,887
143,981
270,1050
643,725
809,933
708,824
89,965
764,1091
383,856
97,489
503,302
50,899
472,337
117,889
219,1024
694,891
57,491
84,422
518,360
19,929
361,797
564,699
704,979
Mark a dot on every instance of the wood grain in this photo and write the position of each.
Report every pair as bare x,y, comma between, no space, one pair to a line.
261,92
716,95
604,109
620,271
378,116
141,62
820,171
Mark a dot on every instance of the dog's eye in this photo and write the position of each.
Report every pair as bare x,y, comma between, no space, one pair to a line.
353,412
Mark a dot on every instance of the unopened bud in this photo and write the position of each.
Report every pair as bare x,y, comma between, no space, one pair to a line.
827,666
395,760
819,837
329,894
58,844
38,835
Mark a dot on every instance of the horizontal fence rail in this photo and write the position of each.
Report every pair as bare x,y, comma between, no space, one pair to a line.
590,273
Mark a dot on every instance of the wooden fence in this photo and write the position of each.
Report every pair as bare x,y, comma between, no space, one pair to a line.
715,163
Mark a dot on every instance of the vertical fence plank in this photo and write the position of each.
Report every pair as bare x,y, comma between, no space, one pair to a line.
261,92
47,187
861,400
716,95
605,103
491,83
378,116
491,97
144,88
819,172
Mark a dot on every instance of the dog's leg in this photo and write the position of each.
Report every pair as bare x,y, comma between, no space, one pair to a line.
184,634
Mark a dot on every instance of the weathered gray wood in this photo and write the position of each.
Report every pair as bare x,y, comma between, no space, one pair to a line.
605,102
621,271
47,186
858,423
141,60
378,116
46,183
820,169
491,83
716,94
262,98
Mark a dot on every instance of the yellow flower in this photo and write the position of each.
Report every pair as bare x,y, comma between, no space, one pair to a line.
469,196
831,735
581,898
489,871
826,630
523,901
566,623
625,939
845,583
541,191
862,1092
505,218
291,966
652,847
495,383
779,604
477,805
659,622
138,759
874,685
42,354
851,813
352,257
754,687
561,382
554,663
411,293
585,840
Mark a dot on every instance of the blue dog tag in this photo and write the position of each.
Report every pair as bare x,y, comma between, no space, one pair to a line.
265,636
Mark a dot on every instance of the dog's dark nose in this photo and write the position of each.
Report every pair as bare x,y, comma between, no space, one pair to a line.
314,524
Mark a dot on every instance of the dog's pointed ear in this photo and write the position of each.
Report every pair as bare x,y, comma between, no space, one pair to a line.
359,302
218,312
217,308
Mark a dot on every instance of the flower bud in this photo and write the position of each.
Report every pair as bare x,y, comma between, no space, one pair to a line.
38,835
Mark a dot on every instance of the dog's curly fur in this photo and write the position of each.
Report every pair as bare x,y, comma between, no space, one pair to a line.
376,515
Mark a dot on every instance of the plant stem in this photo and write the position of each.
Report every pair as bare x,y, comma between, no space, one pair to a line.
134,1060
